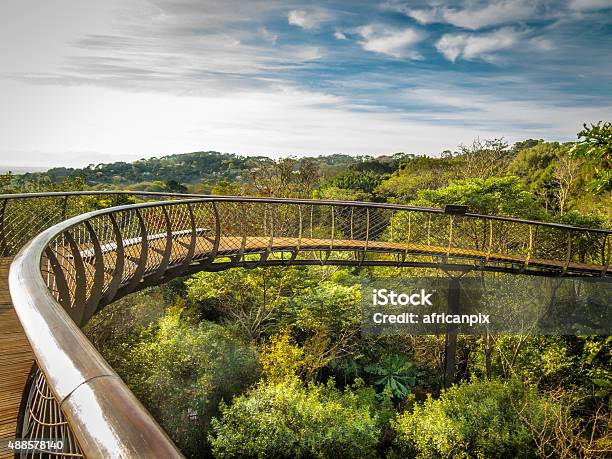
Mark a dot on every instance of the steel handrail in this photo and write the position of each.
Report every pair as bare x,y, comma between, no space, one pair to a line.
105,416
365,204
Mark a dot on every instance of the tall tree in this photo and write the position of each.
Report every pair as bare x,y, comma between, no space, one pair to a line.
595,144
485,158
534,165
566,174
284,178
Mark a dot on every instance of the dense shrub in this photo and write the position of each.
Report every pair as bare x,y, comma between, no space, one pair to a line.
478,419
281,358
290,419
181,371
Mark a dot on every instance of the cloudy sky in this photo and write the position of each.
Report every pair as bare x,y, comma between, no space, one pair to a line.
88,81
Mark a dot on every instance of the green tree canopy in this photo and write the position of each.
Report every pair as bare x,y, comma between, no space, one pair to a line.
418,173
495,196
255,299
480,419
182,370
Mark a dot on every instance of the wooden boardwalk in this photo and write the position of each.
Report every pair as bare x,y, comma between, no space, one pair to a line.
16,359
231,245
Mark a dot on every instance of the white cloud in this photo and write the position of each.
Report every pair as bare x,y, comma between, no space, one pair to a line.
195,49
495,13
585,5
268,36
476,14
339,35
471,46
307,19
392,42
308,54
542,44
122,125
128,126
204,75
530,117
424,16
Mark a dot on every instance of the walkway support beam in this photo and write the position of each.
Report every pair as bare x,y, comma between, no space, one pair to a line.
450,344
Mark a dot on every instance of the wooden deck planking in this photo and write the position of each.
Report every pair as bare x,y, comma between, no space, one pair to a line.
230,245
255,244
16,360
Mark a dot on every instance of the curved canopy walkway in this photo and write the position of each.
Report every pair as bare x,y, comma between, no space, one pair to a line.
69,263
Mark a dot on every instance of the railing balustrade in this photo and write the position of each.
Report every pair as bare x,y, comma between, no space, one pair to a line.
76,263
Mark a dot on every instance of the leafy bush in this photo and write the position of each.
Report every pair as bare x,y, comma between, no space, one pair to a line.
395,373
580,364
292,420
281,359
559,433
595,143
478,419
328,307
117,328
358,186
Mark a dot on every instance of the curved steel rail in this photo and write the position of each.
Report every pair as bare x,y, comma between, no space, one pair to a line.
70,271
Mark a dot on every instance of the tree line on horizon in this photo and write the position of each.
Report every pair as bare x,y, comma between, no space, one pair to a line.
555,172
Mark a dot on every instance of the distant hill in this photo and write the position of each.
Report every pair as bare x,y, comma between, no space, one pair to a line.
196,167
183,168
20,170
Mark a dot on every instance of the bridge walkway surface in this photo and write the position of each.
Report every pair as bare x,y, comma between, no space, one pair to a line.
228,246
16,359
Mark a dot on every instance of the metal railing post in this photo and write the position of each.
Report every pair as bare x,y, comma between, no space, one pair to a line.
3,242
